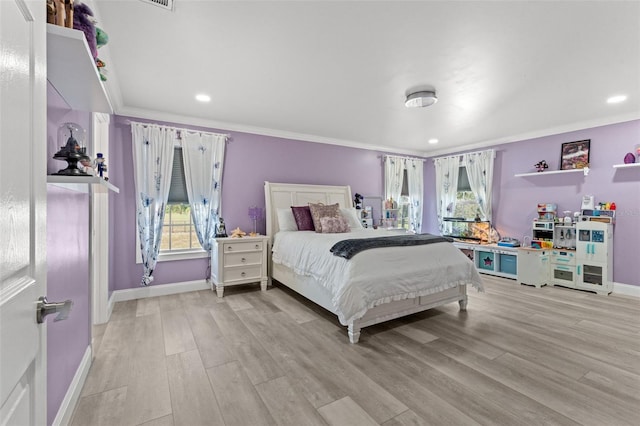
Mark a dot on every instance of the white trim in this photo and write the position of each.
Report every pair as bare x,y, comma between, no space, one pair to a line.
99,226
110,306
70,400
169,256
626,289
159,290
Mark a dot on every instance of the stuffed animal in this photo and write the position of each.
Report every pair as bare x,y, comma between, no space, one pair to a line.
101,39
84,21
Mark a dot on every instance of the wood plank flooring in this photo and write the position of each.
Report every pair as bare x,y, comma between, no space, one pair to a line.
518,356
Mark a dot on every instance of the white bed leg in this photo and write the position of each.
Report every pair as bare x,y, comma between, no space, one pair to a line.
354,333
463,303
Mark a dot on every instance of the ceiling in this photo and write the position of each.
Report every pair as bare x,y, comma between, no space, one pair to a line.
338,72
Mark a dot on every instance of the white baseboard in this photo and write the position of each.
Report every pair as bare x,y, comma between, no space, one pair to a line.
626,289
70,400
157,290
110,305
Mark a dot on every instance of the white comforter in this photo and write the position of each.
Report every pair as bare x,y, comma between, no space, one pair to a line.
373,276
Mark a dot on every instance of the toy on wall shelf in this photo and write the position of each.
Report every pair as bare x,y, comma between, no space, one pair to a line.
100,166
541,165
629,158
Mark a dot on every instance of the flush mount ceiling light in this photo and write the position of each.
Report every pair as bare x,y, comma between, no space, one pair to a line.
421,99
433,141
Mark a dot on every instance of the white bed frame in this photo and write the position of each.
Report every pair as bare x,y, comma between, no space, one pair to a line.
285,195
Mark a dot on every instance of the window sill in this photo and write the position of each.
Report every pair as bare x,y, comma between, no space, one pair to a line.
177,255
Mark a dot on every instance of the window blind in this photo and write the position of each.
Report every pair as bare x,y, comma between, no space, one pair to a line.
178,188
463,180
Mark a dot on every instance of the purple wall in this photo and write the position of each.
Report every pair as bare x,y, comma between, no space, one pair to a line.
67,264
515,198
249,161
252,159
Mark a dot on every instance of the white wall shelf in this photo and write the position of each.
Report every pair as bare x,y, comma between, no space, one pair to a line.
626,166
72,70
554,172
74,182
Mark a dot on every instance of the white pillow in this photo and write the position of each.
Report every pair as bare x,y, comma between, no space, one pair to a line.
286,221
353,217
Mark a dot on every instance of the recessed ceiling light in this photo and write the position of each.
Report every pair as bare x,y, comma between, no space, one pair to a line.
433,141
421,99
617,99
203,98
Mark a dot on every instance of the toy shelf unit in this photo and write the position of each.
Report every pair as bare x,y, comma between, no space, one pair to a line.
391,218
492,259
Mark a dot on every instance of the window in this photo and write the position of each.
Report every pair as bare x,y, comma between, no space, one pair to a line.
178,230
179,239
466,204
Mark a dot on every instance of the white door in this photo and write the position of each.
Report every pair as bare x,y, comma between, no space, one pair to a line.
22,211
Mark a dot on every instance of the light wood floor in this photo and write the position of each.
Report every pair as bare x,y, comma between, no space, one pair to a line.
518,356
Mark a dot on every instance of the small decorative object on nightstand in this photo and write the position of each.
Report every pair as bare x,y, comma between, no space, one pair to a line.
237,261
255,214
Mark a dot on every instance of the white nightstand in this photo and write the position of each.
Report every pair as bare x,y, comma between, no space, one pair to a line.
239,261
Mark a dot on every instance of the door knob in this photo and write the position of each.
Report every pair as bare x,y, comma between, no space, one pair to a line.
45,308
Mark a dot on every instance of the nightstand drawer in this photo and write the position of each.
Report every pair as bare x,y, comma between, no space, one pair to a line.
242,246
243,273
246,258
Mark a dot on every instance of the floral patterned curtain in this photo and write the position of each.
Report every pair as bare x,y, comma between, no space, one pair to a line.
447,169
415,173
480,172
152,147
203,156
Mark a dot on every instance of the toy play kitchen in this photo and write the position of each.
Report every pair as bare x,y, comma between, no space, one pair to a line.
574,251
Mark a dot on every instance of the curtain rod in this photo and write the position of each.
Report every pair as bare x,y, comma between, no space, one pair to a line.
463,153
403,158
178,129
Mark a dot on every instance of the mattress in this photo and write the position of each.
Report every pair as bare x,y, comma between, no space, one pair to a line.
374,276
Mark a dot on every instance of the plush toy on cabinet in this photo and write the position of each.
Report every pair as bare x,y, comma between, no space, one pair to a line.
84,21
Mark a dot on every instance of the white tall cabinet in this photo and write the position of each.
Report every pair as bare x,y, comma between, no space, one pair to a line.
594,256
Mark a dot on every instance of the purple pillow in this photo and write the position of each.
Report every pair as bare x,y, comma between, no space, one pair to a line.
303,218
334,225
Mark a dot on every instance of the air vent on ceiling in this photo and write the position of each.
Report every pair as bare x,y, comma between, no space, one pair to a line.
165,4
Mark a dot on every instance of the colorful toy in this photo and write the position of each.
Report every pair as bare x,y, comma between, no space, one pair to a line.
541,165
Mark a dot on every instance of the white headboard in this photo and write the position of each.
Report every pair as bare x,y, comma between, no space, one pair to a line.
285,195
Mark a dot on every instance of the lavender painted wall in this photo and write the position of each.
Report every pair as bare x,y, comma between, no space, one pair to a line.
67,278
67,264
252,159
515,198
249,161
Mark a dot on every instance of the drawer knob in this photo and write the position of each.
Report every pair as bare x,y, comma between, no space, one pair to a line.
257,246
243,260
229,248
243,274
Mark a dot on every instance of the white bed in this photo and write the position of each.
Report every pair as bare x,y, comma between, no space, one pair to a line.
386,293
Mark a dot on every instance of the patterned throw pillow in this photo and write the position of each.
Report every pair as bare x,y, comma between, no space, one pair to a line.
320,210
334,225
303,218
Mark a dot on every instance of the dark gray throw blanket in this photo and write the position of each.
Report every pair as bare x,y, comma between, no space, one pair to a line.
349,248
